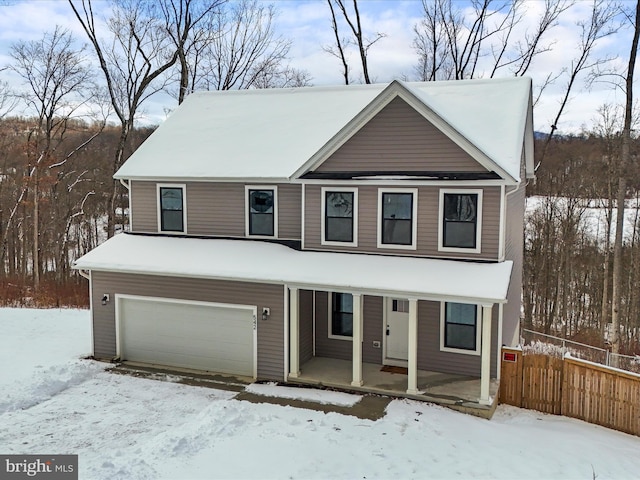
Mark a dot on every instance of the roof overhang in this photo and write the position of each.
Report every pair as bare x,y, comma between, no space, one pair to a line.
271,263
397,89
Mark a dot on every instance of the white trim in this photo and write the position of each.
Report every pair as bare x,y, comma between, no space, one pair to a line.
286,331
323,192
414,219
302,216
441,247
294,331
273,188
475,352
499,341
118,318
502,224
183,186
485,362
313,320
356,350
128,186
329,317
91,312
412,348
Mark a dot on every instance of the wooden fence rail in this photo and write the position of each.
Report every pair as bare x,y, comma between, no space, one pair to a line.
571,387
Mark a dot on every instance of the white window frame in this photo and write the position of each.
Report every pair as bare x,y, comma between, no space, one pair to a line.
323,203
182,186
443,324
247,210
463,191
330,319
414,219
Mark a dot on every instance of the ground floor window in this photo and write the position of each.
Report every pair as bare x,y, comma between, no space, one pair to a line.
341,319
460,326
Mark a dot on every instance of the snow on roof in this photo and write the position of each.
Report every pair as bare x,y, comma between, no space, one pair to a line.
264,262
269,134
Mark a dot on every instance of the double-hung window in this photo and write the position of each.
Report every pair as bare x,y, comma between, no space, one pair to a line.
460,220
459,330
397,218
341,316
339,216
261,217
171,208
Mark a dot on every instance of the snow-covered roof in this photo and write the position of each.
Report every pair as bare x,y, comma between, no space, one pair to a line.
271,134
264,262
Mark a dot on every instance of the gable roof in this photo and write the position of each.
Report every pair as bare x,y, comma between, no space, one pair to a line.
279,134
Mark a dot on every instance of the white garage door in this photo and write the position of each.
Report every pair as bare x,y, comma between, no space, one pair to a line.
202,336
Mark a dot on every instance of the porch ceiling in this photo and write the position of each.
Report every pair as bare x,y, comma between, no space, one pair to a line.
265,262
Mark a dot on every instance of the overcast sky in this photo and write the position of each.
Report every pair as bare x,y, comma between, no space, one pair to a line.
307,24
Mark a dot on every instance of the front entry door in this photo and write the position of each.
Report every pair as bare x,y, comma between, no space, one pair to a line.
397,331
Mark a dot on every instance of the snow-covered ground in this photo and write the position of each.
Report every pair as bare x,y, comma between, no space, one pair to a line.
130,428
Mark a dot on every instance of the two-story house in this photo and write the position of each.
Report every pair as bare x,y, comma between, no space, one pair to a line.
320,234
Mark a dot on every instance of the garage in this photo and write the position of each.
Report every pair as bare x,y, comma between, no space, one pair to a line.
204,336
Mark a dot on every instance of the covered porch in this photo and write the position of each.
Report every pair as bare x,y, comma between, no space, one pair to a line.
455,391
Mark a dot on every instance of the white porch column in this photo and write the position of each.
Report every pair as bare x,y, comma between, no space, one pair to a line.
412,377
485,370
294,333
357,340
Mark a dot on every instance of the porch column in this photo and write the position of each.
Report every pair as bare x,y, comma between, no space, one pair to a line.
357,340
294,333
412,352
485,369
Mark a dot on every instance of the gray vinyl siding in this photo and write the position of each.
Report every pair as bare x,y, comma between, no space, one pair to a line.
270,332
514,244
428,217
144,207
306,325
431,358
343,349
400,139
215,209
289,211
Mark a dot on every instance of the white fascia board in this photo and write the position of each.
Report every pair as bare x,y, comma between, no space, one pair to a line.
310,286
256,180
529,142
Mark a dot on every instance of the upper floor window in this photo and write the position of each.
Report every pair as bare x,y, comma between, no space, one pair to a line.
171,208
397,223
341,316
460,224
459,330
340,216
261,211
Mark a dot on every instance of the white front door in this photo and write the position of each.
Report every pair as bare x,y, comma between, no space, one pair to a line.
396,331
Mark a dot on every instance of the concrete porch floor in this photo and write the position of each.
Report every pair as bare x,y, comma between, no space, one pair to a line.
455,391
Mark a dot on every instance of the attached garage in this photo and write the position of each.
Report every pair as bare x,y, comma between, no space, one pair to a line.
214,337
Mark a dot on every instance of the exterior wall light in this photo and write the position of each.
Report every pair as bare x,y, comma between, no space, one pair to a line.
105,299
266,312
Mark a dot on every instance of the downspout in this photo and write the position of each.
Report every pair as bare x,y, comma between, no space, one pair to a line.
85,275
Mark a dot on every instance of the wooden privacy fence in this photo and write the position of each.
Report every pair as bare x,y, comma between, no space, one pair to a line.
571,387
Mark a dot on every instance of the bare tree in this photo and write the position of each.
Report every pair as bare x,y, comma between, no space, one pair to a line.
357,38
56,77
244,50
133,63
597,27
622,188
451,42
